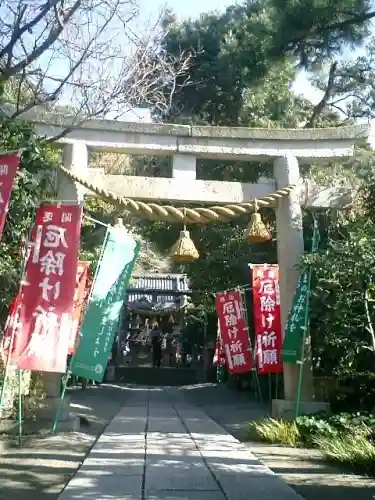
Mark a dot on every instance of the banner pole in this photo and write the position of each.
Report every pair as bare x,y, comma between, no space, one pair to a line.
12,337
68,372
6,372
302,361
62,395
277,386
20,419
314,248
254,370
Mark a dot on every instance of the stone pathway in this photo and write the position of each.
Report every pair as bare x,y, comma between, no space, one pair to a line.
161,446
303,469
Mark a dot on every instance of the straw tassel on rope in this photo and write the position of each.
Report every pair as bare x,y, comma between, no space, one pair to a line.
256,231
184,249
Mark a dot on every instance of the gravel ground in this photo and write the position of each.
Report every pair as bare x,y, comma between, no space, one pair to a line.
41,468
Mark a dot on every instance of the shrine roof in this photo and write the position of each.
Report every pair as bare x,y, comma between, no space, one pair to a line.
159,282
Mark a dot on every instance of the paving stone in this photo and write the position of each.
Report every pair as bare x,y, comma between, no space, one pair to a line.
125,466
187,458
255,487
183,474
184,495
165,425
99,487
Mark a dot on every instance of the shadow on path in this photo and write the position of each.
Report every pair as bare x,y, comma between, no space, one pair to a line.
302,469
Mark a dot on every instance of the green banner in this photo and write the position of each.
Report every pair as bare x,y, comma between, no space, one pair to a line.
101,320
297,322
291,351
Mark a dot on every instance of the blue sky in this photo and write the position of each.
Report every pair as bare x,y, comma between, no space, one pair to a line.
185,8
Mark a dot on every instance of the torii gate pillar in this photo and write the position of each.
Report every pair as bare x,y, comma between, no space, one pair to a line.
290,246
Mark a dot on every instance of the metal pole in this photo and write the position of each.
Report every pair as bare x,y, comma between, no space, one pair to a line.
20,419
68,373
254,370
27,245
58,412
302,361
205,337
6,372
314,248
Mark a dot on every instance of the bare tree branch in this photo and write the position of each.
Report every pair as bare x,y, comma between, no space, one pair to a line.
86,58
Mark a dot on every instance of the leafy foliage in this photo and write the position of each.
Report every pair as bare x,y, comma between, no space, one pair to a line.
34,182
344,275
345,438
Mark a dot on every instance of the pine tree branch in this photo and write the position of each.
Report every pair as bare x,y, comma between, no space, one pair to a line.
322,104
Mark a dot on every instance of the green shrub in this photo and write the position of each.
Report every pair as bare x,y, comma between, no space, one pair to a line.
306,428
310,426
275,432
346,438
357,453
347,424
355,391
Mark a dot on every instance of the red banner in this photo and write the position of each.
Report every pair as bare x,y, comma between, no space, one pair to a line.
9,340
234,336
219,355
267,322
8,168
80,296
47,293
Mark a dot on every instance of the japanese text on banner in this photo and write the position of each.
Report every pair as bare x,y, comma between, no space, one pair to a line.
48,290
267,322
8,168
234,335
108,293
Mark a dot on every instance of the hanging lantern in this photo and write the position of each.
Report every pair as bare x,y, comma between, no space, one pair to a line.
184,249
171,319
256,231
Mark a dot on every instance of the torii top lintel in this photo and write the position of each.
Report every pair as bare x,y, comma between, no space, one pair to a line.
232,143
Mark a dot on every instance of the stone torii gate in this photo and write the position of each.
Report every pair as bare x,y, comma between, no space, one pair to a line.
287,148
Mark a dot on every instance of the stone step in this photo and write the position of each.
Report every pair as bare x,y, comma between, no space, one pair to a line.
163,376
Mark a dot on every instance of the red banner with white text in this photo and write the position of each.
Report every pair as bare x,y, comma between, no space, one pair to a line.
219,354
9,164
80,296
233,329
267,320
47,292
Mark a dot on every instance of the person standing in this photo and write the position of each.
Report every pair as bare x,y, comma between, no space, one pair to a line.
156,345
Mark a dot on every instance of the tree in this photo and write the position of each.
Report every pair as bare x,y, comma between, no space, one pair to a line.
86,53
226,91
348,85
235,51
342,303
